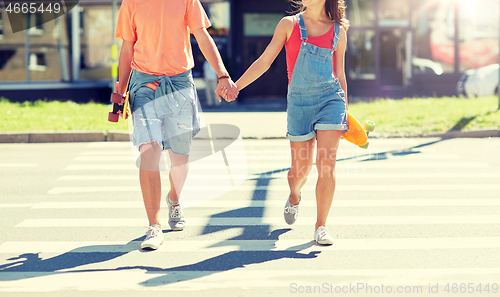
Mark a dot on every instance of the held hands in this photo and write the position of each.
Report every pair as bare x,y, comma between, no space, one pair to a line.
227,89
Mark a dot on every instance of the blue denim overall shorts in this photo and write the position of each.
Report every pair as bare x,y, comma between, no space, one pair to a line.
315,100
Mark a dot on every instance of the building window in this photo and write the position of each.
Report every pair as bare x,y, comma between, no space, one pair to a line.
36,20
5,56
260,24
361,13
37,62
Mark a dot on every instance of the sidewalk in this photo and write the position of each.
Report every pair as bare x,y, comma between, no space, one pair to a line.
252,125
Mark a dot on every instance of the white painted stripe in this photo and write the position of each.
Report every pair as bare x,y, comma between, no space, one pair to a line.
267,167
18,165
274,158
254,245
254,221
110,144
232,204
107,153
246,281
307,187
312,176
16,205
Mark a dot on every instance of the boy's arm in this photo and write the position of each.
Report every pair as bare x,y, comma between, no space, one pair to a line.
211,53
262,64
124,66
340,61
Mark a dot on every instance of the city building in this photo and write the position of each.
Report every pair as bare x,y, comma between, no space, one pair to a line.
396,48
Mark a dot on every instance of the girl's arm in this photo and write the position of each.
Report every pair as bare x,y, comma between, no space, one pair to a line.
124,66
212,55
262,64
340,61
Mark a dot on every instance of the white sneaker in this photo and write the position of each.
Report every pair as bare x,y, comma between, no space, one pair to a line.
154,238
322,237
291,211
175,215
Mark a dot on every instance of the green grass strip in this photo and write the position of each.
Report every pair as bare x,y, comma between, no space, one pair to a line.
422,115
407,116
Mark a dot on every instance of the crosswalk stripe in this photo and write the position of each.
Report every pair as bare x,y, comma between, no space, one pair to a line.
267,203
308,187
254,221
279,281
266,165
273,158
312,175
16,205
18,165
254,245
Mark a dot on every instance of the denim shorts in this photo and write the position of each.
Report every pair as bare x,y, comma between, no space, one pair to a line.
154,121
310,110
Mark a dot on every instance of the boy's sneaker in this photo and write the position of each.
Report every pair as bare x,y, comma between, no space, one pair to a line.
322,237
175,215
154,238
291,212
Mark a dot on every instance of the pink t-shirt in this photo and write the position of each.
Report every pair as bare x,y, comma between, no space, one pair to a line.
293,46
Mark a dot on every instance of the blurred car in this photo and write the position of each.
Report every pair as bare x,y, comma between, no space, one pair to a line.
479,82
426,66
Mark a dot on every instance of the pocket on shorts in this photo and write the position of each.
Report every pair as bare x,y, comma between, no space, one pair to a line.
314,69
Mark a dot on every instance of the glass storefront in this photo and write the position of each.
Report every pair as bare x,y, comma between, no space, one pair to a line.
219,14
361,55
96,24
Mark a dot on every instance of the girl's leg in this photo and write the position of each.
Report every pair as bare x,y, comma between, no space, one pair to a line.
149,178
302,159
179,168
326,157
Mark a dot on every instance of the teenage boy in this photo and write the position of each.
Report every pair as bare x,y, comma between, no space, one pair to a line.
156,55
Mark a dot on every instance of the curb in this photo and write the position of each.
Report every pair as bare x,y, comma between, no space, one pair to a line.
112,136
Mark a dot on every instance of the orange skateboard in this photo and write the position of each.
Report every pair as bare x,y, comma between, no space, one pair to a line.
121,107
358,134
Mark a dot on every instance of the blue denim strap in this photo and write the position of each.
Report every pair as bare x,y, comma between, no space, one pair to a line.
336,37
302,26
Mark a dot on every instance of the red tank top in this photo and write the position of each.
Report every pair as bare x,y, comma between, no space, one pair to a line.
293,46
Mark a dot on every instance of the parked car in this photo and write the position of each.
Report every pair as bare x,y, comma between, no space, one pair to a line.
479,82
426,66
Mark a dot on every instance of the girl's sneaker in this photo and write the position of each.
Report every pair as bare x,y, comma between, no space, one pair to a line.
291,212
322,237
154,238
175,215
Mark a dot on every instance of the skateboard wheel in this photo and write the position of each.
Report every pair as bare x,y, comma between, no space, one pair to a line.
116,98
113,117
369,126
365,146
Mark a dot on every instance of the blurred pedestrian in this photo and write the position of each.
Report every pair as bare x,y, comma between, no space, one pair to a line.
315,41
210,77
156,54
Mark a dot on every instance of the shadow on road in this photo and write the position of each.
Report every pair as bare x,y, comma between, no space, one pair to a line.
32,262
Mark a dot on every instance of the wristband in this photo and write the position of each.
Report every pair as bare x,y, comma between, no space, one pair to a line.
222,77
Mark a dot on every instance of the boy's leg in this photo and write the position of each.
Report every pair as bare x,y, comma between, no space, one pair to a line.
149,177
328,143
179,168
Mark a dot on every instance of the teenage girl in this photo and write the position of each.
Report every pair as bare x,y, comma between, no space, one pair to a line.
315,41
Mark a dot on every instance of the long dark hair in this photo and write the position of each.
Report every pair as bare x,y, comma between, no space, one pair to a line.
335,10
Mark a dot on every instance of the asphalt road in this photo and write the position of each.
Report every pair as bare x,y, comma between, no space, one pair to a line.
416,217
